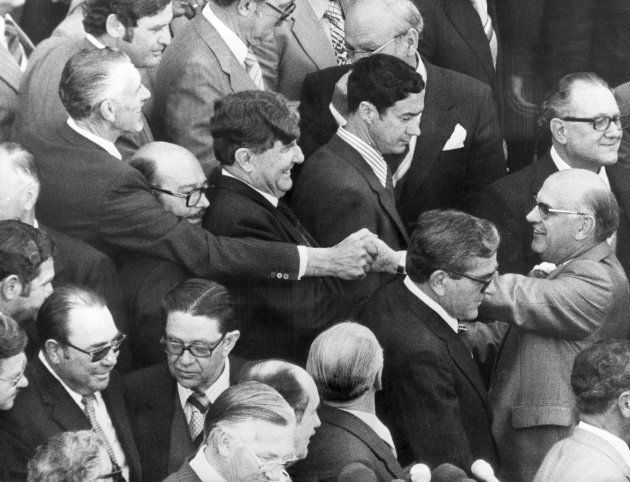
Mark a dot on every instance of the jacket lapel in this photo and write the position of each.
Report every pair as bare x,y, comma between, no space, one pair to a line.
10,71
309,33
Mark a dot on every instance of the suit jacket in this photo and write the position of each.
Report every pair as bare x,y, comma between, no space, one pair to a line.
436,178
341,441
279,318
337,194
40,17
300,46
553,319
45,408
88,194
197,69
583,457
40,105
184,474
433,398
159,422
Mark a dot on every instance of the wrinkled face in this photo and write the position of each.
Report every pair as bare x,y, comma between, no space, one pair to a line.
17,193
127,97
196,373
264,19
11,371
89,328
392,130
583,143
26,307
305,428
463,296
271,171
149,38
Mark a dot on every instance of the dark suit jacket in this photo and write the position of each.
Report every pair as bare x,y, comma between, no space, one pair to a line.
433,397
436,178
40,17
184,474
279,318
337,194
159,422
91,195
341,441
45,408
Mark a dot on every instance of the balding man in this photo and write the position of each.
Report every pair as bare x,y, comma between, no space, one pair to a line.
584,299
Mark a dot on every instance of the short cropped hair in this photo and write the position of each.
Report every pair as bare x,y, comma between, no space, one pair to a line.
282,376
68,456
557,102
54,314
21,160
128,12
245,402
87,78
381,80
603,204
448,240
254,119
23,249
600,374
13,339
201,297
345,362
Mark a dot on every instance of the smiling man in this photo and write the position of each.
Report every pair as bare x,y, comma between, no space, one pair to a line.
72,385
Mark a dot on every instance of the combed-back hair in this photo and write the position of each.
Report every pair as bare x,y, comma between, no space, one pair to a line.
603,204
13,339
128,12
20,159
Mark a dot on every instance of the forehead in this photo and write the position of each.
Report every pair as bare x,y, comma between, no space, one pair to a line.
591,100
365,27
482,267
159,20
181,169
188,327
268,439
125,78
10,367
46,272
90,325
413,105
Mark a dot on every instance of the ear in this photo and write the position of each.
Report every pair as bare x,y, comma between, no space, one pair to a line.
246,7
558,130
54,350
243,158
224,442
623,403
32,193
367,111
411,39
230,340
114,27
586,229
11,287
107,111
378,382
438,281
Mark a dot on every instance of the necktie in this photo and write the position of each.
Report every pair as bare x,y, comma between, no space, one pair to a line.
307,240
482,9
337,35
13,41
253,69
199,404
88,403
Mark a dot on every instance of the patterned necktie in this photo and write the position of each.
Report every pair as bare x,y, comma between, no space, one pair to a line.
482,9
336,22
88,403
199,404
307,240
13,41
253,69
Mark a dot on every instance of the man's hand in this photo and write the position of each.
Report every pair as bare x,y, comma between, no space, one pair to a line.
386,260
350,259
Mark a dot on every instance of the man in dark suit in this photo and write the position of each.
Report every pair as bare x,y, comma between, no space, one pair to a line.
459,149
352,443
433,397
72,385
575,144
88,193
168,402
347,185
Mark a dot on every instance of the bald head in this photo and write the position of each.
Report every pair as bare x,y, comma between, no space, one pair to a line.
172,168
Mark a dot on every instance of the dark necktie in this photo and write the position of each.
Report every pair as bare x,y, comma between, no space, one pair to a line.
88,402
199,404
307,239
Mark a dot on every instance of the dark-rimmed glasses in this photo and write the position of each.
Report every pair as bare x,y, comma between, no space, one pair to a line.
545,210
192,198
483,282
601,123
284,14
100,353
196,349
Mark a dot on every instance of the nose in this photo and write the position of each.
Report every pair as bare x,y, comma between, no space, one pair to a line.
186,358
111,359
144,93
318,422
23,382
614,130
203,202
298,155
534,215
414,126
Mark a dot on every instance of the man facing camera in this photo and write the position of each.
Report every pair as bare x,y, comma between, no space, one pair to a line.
433,397
169,401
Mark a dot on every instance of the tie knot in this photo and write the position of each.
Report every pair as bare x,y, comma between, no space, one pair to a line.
88,400
200,401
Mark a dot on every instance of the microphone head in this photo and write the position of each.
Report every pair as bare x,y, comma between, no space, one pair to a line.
448,473
482,470
420,473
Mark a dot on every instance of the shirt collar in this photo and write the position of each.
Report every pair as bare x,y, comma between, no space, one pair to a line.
269,197
94,41
421,68
619,445
422,296
217,388
562,165
371,156
319,7
233,41
374,423
200,465
104,143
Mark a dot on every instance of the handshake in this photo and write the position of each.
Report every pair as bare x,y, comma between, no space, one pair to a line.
352,258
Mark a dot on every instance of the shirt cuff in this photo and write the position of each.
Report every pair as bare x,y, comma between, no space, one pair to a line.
303,254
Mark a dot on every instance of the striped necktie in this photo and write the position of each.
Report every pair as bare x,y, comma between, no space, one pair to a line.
199,403
88,403
336,22
253,69
482,9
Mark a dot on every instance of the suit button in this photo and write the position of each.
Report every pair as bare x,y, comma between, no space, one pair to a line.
286,276
279,275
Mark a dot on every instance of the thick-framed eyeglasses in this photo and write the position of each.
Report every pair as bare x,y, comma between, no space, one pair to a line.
14,381
115,476
100,353
483,282
601,123
192,198
284,14
196,349
545,210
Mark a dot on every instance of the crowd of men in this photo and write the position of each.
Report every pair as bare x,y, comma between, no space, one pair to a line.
312,240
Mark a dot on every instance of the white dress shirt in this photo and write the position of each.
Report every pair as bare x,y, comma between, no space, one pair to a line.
217,388
200,465
422,296
375,424
102,417
618,444
233,41
561,165
371,156
99,141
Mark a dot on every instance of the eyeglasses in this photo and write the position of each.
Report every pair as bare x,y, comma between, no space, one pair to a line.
284,14
100,353
352,52
199,350
545,210
14,381
601,123
192,198
483,282
115,476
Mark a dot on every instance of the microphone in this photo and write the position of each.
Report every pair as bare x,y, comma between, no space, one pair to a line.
449,473
420,473
483,471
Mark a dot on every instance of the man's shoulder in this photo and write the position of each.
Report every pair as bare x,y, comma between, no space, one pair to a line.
459,84
143,383
184,474
327,76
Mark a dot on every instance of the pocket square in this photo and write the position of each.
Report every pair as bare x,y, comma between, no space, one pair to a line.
456,141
